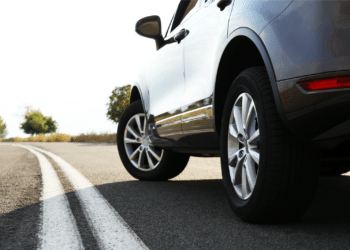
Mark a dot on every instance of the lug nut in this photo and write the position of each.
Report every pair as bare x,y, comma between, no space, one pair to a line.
240,138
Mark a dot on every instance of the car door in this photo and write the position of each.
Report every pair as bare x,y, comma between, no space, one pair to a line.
167,80
208,31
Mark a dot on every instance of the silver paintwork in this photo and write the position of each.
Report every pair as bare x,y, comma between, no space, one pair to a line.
243,146
255,14
309,37
138,145
201,47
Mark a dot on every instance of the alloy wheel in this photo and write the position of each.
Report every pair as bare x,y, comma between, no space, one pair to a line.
140,151
243,146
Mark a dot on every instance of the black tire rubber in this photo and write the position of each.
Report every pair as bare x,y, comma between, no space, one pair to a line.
329,170
288,171
171,165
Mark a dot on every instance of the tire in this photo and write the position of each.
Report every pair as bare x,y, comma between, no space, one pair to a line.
329,170
155,164
285,168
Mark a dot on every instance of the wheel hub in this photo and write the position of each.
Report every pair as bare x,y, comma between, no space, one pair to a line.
243,146
137,142
145,141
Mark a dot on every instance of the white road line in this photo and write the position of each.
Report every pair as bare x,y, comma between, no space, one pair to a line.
108,227
59,229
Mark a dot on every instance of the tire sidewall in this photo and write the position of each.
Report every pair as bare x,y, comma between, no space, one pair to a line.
244,83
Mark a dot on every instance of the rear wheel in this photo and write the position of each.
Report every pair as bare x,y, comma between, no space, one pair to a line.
141,158
269,175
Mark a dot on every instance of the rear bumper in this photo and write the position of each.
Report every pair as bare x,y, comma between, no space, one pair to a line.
322,117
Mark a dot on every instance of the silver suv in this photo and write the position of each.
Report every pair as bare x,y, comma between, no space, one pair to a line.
263,84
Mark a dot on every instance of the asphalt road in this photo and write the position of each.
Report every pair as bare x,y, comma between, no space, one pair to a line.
187,212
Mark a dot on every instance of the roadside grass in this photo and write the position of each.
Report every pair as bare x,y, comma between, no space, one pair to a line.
57,137
92,137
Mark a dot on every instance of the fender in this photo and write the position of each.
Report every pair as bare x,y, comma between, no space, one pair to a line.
144,94
140,83
254,37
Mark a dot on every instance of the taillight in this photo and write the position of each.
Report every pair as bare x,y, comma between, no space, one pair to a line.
324,84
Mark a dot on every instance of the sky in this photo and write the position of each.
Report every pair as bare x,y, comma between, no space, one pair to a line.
65,58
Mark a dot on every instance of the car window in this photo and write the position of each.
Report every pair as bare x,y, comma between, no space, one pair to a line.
190,7
183,10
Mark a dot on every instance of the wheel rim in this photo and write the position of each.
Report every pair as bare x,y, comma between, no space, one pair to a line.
138,146
243,146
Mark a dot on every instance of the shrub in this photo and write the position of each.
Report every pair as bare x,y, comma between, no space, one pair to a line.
118,102
59,138
3,130
36,123
108,138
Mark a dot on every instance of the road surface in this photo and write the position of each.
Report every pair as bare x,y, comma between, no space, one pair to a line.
79,196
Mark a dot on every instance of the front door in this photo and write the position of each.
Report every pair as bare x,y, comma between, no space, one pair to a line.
208,31
167,79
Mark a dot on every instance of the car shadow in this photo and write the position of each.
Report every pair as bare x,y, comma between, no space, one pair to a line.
195,214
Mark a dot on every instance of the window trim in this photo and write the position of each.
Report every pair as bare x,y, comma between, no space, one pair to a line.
170,24
194,10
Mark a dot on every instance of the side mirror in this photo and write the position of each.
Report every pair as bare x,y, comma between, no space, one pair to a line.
151,27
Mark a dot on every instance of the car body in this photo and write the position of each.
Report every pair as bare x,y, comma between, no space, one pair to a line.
295,40
262,84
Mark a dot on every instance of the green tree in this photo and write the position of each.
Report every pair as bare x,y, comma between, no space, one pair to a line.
118,102
3,130
37,123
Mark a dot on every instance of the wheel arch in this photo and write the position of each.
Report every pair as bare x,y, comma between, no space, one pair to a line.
244,50
139,93
135,94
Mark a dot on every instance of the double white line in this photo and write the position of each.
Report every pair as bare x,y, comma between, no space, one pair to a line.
59,229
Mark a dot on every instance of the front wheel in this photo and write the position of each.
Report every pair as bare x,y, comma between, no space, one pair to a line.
140,157
269,175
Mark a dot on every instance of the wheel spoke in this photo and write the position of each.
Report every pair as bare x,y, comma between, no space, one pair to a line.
233,160
152,151
244,183
141,159
233,131
250,115
251,172
133,132
246,105
133,155
128,140
238,171
138,122
150,162
237,113
144,125
255,154
232,174
254,139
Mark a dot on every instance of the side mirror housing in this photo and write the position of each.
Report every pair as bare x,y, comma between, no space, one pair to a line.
151,27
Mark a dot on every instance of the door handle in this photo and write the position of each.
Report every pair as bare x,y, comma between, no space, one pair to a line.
222,4
181,35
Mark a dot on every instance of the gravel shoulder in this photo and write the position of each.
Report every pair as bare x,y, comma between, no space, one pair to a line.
20,188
